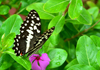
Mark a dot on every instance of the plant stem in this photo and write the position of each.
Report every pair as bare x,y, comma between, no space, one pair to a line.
18,8
78,34
4,17
66,10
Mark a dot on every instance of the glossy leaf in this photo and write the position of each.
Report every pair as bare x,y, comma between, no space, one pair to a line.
86,51
73,62
98,57
55,6
85,17
58,58
58,22
91,4
24,62
12,24
39,8
94,11
8,40
97,26
4,9
81,67
54,39
96,41
75,8
73,21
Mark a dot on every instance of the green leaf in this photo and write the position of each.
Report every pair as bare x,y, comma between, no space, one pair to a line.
58,57
97,26
73,62
86,51
58,22
1,23
17,66
55,6
73,21
11,25
54,39
75,8
94,33
24,62
71,51
5,61
8,40
84,27
39,8
71,27
96,41
85,17
91,4
94,11
98,57
81,67
4,9
1,1
47,46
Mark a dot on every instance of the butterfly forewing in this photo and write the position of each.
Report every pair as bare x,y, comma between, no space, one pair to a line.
40,41
29,32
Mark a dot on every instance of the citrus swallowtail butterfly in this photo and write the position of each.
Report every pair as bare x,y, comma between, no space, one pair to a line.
30,39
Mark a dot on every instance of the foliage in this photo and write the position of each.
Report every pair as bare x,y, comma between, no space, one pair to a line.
74,44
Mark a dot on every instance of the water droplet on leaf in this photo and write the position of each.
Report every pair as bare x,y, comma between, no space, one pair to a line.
58,63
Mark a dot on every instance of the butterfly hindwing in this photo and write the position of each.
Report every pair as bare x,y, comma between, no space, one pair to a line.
29,32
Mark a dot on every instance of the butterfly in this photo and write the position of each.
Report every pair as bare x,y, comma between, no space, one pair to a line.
30,38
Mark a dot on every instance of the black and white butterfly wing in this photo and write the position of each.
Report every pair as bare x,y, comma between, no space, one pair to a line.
40,41
29,32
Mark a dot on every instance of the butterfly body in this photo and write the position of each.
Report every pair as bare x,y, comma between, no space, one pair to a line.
30,39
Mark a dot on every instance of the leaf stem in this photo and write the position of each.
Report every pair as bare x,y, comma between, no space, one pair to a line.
18,8
4,17
66,10
78,34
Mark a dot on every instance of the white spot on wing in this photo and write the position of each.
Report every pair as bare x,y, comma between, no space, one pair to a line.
31,24
17,44
19,37
31,28
29,31
29,14
37,18
35,27
32,21
38,24
22,31
38,31
27,21
46,37
16,48
19,51
32,17
17,40
25,24
23,27
33,14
